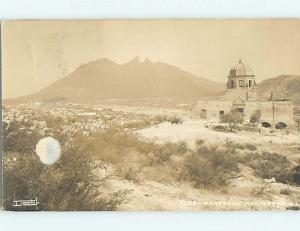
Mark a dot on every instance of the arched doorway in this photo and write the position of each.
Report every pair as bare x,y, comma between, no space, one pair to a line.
266,124
281,125
203,114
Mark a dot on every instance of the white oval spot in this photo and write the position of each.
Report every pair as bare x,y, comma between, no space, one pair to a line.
48,149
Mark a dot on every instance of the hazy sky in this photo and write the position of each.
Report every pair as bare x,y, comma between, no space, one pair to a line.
37,53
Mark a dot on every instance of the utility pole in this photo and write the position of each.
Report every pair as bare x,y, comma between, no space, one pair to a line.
273,113
298,123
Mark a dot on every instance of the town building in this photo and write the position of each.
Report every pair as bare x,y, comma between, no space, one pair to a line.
240,96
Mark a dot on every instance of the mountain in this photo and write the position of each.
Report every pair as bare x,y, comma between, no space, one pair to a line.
282,86
105,79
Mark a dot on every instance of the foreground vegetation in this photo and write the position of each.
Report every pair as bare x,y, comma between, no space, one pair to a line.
71,183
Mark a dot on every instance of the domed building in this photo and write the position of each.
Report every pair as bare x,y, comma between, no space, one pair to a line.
241,82
240,96
241,69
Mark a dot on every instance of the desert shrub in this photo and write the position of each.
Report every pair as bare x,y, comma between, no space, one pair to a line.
161,153
250,127
165,173
221,128
137,124
258,191
159,119
69,184
296,175
285,191
199,143
113,146
175,120
250,147
246,146
109,146
268,165
209,167
129,173
117,148
296,208
18,137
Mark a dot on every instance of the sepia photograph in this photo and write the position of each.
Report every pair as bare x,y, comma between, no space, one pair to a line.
151,115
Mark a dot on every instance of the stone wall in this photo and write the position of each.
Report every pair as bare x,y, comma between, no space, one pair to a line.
272,112
212,108
232,94
277,111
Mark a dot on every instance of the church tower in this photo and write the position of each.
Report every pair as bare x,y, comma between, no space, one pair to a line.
241,83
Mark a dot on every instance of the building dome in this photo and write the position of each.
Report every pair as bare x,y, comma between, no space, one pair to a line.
241,69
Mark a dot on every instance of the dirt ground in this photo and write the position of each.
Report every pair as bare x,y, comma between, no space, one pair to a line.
246,192
191,130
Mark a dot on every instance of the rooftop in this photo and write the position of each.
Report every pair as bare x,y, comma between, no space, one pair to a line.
241,69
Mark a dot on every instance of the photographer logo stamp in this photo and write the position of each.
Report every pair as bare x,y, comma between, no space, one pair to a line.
23,203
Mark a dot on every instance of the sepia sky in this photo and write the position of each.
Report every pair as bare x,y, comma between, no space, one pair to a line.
37,53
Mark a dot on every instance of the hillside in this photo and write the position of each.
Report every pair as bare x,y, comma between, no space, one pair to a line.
105,79
283,86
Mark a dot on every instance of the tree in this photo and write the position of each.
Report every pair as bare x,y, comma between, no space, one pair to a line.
232,119
255,117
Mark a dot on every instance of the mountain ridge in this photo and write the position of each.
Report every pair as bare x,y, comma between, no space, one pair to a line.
106,79
282,86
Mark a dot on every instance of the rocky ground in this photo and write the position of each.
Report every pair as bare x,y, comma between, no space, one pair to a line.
246,192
